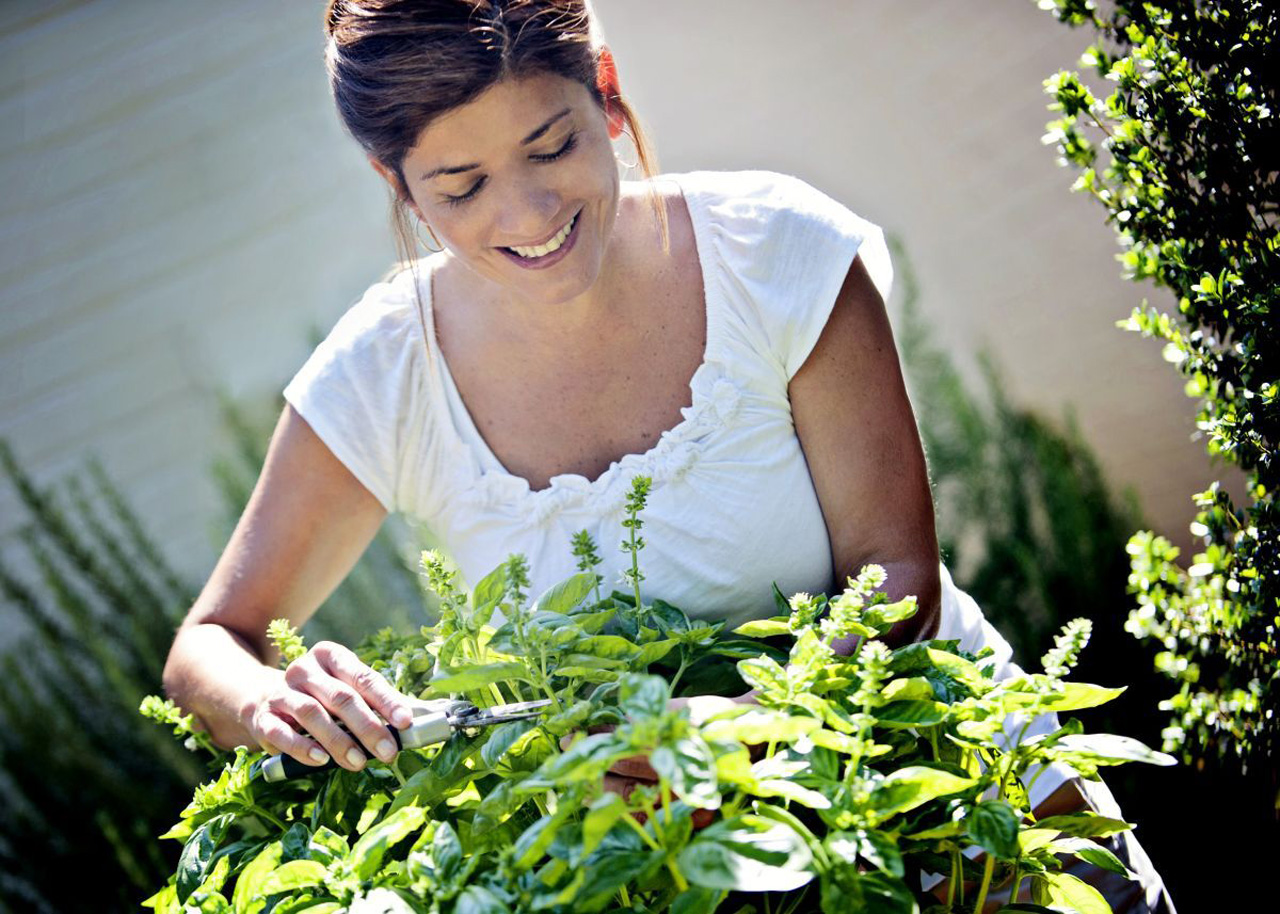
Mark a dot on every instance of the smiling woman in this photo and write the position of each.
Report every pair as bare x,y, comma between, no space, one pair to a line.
721,334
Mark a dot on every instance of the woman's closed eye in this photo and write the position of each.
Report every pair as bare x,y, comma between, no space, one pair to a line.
568,147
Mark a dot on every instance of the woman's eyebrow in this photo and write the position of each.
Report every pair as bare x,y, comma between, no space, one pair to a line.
539,131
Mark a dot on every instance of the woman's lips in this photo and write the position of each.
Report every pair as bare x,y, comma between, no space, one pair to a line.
547,260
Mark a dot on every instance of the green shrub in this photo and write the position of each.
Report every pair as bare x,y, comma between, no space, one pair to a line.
86,783
853,777
1184,165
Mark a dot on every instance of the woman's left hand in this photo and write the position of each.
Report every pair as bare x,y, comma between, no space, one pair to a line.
628,773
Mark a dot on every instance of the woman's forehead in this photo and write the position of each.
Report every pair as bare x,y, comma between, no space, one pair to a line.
511,113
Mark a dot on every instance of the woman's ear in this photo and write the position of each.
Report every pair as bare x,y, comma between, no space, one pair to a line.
607,83
393,181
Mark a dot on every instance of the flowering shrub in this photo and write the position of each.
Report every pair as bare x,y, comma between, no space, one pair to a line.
852,778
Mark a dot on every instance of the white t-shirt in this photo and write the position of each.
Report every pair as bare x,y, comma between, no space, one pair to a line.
732,508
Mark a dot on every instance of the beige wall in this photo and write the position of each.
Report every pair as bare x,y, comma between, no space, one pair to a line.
179,204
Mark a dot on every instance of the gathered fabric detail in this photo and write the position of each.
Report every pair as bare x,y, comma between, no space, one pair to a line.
715,404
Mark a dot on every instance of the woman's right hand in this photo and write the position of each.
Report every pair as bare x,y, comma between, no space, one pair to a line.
299,714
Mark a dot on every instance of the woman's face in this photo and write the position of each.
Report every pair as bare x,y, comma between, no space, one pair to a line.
521,185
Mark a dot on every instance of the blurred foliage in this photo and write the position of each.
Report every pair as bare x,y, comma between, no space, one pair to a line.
1022,509
1185,165
86,782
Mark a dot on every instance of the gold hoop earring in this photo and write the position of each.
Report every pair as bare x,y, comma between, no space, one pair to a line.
418,232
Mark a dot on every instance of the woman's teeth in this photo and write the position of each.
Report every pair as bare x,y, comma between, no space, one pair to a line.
552,245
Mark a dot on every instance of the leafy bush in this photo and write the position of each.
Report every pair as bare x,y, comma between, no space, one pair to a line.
1022,505
852,778
1189,183
85,783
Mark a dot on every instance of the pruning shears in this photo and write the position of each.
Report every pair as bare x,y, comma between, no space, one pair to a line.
434,721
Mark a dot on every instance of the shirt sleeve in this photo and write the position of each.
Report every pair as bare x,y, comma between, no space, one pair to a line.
790,247
358,389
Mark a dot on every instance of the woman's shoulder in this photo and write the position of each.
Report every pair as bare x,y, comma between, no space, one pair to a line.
755,206
770,190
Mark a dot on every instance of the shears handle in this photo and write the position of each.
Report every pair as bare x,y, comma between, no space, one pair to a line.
426,730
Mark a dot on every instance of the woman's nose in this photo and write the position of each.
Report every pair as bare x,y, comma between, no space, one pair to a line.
528,214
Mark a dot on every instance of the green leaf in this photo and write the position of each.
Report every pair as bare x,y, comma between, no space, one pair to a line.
608,647
653,652
592,622
488,593
913,786
715,865
366,856
249,883
1084,825
295,874
501,738
911,713
765,628
1064,890
534,841
640,695
476,899
197,854
446,770
446,851
566,595
790,790
370,815
690,768
764,673
994,826
914,688
468,679
886,614
760,725
877,848
1068,696
1091,852
601,816
327,845
695,900
1107,749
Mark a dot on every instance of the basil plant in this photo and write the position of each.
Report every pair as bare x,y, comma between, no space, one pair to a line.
852,784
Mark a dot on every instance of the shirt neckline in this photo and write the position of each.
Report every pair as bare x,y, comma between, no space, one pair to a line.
474,442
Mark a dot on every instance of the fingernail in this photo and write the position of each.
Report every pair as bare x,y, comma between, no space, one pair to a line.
318,755
401,718
355,758
386,750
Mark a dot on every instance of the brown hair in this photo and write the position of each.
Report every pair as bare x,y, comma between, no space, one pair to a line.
397,65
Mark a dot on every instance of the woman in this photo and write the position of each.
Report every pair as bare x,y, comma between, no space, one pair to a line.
721,333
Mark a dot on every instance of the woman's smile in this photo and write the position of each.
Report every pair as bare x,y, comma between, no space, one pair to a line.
521,186
547,253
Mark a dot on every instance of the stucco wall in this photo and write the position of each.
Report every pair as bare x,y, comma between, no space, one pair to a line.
179,205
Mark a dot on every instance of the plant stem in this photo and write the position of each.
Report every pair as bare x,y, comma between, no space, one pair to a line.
639,829
1017,883
263,814
955,881
987,870
681,883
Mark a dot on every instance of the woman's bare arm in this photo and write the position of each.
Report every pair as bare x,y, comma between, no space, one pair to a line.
859,436
307,523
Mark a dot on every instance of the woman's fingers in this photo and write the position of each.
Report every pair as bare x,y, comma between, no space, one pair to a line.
342,663
635,766
272,726
624,786
328,685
